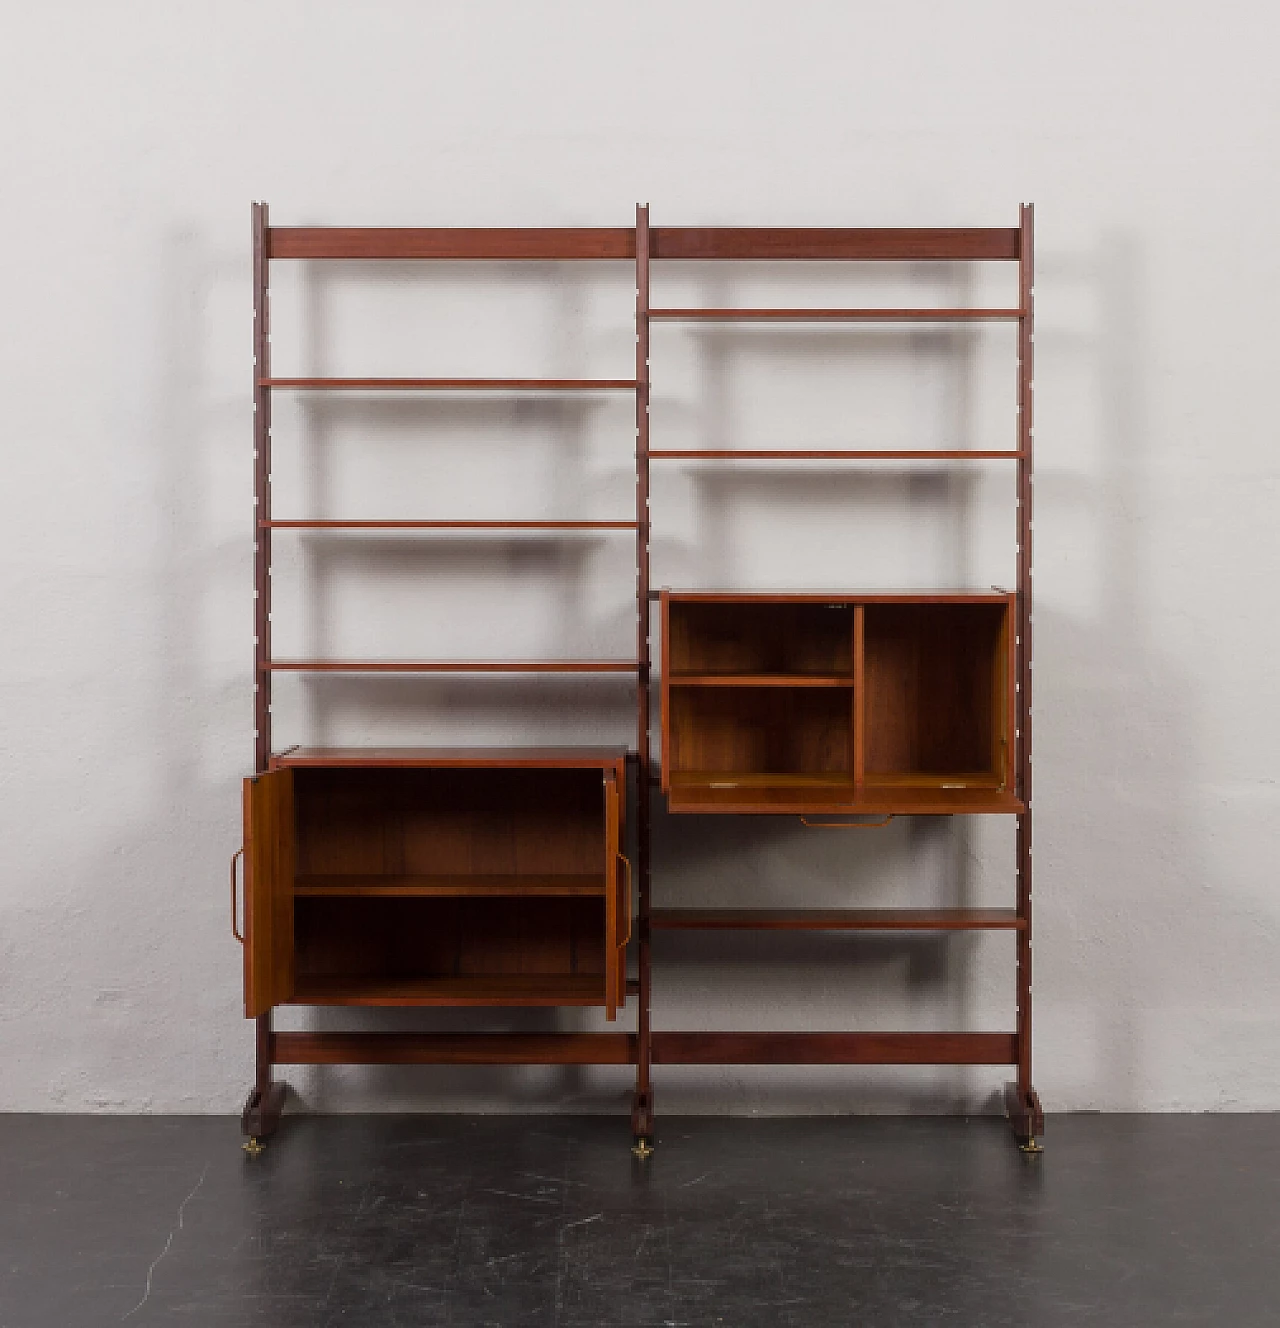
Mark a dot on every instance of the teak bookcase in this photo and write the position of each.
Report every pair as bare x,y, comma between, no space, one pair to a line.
498,877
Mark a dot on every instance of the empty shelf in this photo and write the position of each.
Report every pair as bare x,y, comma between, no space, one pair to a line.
452,666
835,315
446,525
828,454
452,384
835,919
869,1048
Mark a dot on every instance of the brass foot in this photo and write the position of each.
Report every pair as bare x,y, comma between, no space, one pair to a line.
1032,1146
642,1148
254,1146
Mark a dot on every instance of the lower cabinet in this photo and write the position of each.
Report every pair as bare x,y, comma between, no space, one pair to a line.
437,878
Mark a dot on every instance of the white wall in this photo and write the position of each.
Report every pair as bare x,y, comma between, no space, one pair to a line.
134,136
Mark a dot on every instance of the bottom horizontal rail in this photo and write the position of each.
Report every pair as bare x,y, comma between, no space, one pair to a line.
835,1048
453,1049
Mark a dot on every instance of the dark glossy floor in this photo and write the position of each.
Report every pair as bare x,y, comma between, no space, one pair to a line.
547,1221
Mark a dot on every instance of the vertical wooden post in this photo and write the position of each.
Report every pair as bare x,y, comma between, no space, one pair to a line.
261,569
261,495
1028,1120
642,1109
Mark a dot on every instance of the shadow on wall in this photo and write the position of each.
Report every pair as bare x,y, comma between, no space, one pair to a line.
1118,884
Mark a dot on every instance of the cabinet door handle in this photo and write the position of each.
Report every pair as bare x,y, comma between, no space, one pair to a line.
235,927
626,862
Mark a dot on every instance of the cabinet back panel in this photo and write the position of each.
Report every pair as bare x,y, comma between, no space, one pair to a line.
428,938
760,638
773,730
934,676
449,821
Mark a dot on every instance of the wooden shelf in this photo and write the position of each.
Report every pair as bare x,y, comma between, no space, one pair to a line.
869,1048
446,525
760,680
451,665
447,887
454,1048
450,384
498,990
835,919
830,454
835,315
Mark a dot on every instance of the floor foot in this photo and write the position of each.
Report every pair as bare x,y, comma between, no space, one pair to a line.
642,1114
261,1115
1026,1117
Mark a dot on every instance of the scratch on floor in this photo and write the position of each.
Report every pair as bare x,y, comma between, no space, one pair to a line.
151,1272
528,1198
582,1221
699,1180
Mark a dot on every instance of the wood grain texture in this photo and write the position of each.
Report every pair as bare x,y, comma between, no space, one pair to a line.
687,1048
932,674
268,891
773,243
759,731
613,980
454,1048
760,637
501,244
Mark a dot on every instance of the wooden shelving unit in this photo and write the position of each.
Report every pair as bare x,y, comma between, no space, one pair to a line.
842,704
435,877
468,877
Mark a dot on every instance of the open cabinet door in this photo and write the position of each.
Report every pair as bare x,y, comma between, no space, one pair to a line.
268,891
616,901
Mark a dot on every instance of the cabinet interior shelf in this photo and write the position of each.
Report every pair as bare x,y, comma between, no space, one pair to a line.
486,989
449,887
761,680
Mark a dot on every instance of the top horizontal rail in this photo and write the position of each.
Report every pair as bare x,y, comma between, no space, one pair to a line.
770,243
574,243
503,244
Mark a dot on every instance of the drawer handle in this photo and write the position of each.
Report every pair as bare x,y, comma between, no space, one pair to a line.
235,926
626,862
848,825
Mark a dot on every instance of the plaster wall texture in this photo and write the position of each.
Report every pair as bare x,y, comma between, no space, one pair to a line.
132,137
